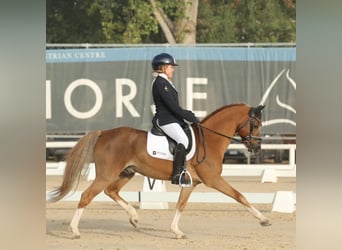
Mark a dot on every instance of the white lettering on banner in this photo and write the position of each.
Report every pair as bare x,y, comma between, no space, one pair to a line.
98,98
89,55
122,100
58,56
190,82
125,92
67,56
48,99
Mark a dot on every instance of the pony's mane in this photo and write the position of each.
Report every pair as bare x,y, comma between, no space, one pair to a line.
219,109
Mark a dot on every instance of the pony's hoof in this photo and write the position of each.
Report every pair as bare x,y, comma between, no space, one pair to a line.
75,233
75,237
265,223
181,236
134,222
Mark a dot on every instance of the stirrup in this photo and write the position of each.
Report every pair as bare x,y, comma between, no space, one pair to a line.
185,183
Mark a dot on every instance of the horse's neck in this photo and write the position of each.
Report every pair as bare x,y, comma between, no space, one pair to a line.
227,118
224,128
225,122
222,125
225,125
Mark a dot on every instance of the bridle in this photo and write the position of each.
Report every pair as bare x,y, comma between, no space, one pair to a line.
246,140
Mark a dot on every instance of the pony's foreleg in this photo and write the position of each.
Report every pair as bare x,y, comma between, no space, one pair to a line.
221,185
264,221
182,201
174,226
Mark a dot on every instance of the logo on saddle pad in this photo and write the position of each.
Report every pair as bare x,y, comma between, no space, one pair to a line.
158,146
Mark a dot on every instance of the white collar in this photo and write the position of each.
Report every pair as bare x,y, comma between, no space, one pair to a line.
163,75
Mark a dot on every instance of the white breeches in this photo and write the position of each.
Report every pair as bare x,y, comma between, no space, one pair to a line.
176,132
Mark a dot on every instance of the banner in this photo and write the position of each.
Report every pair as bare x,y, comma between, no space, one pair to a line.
91,89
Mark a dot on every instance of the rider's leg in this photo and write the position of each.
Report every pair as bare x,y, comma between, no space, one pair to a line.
178,163
176,132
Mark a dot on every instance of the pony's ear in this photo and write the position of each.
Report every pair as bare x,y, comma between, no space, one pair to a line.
259,108
256,111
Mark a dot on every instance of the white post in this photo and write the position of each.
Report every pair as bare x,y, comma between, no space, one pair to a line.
284,202
152,185
292,156
269,175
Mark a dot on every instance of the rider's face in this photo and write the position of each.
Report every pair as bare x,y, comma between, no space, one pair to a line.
169,71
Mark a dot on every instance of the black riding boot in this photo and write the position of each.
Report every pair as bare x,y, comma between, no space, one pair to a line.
178,163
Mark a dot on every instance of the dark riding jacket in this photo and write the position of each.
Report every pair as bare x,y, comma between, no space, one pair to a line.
165,98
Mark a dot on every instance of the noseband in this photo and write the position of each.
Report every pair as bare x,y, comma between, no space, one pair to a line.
247,140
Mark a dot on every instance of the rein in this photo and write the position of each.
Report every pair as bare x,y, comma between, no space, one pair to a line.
220,134
202,138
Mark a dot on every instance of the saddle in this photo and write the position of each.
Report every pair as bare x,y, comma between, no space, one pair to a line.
161,146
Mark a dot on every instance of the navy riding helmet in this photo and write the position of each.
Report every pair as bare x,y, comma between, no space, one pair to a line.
163,59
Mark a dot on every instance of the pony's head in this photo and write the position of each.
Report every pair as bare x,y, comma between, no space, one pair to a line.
249,130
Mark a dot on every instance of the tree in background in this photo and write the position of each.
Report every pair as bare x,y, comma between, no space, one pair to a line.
124,21
216,22
177,19
69,22
170,21
263,21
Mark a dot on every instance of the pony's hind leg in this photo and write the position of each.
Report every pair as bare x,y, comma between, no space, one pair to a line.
87,196
113,192
221,185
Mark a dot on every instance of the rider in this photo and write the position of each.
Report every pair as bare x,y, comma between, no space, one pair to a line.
170,116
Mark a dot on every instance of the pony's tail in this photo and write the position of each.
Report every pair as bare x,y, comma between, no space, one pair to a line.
78,158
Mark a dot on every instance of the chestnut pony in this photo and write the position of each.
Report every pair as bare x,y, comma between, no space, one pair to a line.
119,153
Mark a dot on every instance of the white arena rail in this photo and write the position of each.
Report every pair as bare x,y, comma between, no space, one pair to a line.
282,201
197,197
279,170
